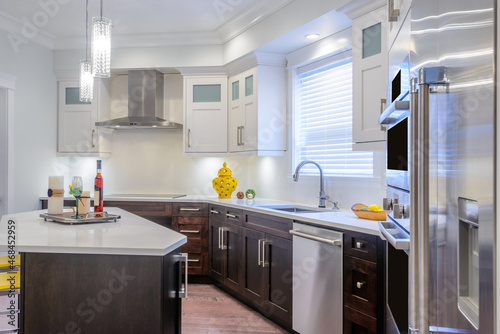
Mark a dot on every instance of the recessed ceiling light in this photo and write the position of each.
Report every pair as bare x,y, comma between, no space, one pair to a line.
312,36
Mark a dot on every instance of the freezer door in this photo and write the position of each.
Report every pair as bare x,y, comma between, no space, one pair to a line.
456,80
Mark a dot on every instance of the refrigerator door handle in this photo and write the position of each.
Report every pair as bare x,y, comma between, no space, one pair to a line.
413,321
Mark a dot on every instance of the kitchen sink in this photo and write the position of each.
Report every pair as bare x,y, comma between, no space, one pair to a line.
293,208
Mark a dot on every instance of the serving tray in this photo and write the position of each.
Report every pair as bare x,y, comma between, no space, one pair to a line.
89,218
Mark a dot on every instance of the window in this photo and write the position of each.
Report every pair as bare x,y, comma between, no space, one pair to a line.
323,119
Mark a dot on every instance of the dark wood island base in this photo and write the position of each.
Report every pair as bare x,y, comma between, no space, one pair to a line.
98,293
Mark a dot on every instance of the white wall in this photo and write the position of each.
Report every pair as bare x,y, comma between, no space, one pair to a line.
35,122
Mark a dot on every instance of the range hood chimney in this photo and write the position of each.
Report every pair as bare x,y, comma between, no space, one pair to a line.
145,103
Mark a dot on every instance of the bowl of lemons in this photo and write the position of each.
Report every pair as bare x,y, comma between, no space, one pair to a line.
373,212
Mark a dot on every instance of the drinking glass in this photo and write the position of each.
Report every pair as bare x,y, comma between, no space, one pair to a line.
77,188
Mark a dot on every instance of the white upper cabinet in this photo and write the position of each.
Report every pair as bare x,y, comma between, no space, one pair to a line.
205,114
369,55
77,133
256,110
396,11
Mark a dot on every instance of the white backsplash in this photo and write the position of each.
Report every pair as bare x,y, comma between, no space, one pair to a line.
152,161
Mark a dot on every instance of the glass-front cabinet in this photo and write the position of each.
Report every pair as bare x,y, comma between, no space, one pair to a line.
256,111
77,133
369,59
205,117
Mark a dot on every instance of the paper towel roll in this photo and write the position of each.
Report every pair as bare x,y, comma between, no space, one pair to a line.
56,195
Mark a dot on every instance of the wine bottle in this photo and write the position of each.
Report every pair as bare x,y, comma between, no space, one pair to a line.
98,195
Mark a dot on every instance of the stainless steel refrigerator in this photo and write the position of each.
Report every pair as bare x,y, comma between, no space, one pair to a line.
453,166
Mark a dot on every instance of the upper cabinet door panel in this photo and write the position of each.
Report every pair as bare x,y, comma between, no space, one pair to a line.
369,75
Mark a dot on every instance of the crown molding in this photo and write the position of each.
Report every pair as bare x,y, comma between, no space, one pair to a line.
147,40
253,59
357,8
23,32
248,18
203,70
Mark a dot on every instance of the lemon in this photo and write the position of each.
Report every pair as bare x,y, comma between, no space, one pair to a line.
375,207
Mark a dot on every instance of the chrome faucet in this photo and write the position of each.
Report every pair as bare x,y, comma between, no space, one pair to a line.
322,196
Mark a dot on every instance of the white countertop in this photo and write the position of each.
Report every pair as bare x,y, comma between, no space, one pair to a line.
343,219
130,235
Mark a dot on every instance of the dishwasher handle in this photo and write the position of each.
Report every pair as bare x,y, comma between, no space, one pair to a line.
315,237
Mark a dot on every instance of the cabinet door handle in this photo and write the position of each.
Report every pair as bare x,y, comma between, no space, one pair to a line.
359,245
93,133
393,13
194,260
383,103
259,258
231,215
190,209
189,231
239,135
183,258
215,212
189,137
223,246
359,285
220,238
264,263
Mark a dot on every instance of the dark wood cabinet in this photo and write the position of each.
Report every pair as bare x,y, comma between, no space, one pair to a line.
251,255
191,219
364,300
158,212
225,245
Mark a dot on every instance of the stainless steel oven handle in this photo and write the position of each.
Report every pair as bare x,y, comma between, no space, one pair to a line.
401,243
315,237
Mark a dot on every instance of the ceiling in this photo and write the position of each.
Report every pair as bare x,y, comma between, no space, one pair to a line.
61,23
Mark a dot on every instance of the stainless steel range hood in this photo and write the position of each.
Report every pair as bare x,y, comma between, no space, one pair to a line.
145,103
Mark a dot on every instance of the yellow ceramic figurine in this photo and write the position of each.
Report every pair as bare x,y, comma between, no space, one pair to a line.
225,184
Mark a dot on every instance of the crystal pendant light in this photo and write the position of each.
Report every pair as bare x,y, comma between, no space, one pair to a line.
86,78
101,46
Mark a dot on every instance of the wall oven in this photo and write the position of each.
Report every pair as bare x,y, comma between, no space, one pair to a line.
396,229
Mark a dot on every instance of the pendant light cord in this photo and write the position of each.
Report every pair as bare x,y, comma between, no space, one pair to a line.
101,8
87,30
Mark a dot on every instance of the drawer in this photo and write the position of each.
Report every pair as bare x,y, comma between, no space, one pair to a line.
356,322
143,209
197,263
363,246
216,212
194,228
360,285
269,224
234,216
190,209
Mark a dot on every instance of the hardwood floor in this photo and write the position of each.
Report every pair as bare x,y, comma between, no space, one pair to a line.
209,310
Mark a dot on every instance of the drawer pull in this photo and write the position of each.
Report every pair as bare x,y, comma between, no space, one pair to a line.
189,231
359,245
231,216
193,260
215,212
190,209
359,285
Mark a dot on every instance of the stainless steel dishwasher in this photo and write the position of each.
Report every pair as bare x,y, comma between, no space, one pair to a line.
317,280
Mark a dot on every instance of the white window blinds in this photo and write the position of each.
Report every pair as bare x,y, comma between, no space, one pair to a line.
323,120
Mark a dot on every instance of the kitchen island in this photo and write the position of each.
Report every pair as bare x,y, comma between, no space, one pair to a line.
113,277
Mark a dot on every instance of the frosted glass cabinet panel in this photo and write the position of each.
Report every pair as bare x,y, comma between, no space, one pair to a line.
206,93
73,96
372,40
249,85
